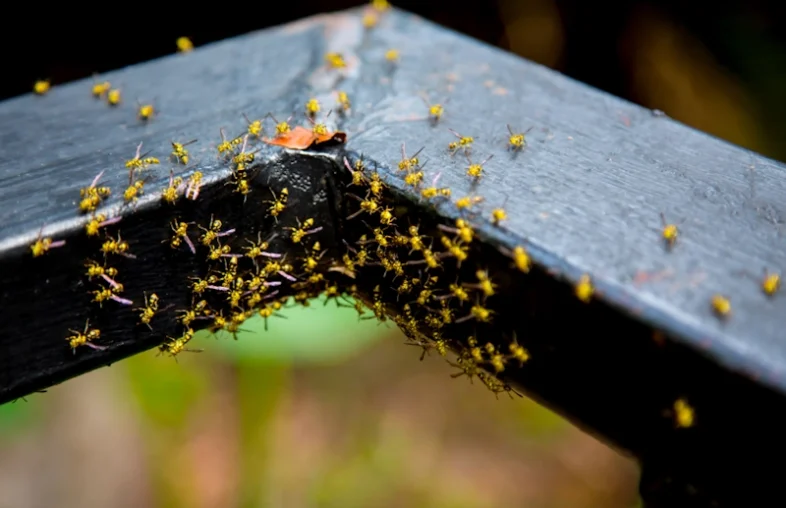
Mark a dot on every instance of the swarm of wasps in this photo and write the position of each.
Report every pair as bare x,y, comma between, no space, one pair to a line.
424,277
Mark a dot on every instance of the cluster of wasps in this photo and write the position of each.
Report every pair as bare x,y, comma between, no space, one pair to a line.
242,277
425,276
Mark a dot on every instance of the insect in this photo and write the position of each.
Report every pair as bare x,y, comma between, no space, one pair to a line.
176,346
184,44
584,288
100,89
435,110
370,20
521,259
335,60
213,232
463,230
380,5
476,170
218,251
180,230
684,414
134,189
255,128
343,101
496,386
42,244
99,221
193,185
306,228
116,246
484,284
468,202
407,163
242,157
141,161
455,249
272,267
107,273
179,151
92,196
357,175
104,294
517,352
145,111
721,305
312,107
392,55
42,86
498,215
281,127
464,142
227,146
260,248
517,140
669,232
479,313
113,97
771,283
375,184
85,338
369,205
149,310
171,192
241,184
319,129
386,216
279,203
414,178
434,191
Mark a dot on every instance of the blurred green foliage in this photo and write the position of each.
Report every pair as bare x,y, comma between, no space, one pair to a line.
18,416
314,334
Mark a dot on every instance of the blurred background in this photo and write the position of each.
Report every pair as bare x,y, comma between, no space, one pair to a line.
322,410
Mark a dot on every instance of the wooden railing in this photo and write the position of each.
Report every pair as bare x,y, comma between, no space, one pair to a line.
625,285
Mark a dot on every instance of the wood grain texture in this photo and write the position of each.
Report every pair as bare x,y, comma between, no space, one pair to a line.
583,197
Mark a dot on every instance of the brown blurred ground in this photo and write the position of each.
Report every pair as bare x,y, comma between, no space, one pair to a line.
379,430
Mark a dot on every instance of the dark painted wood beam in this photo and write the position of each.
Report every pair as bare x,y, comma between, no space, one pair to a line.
647,364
